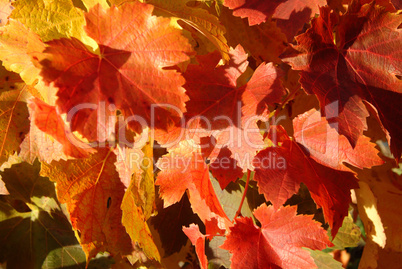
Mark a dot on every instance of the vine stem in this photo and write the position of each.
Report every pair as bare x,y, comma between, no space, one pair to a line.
290,95
238,212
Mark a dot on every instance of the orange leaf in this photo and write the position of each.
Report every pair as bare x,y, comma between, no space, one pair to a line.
93,192
183,168
127,75
198,240
49,121
329,148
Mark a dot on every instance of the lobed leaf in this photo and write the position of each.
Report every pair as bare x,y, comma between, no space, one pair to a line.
93,192
119,76
255,247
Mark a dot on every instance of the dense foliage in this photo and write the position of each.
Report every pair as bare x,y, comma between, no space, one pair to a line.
178,133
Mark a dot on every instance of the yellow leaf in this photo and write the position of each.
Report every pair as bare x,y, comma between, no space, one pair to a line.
147,184
14,122
15,43
379,203
136,226
370,215
52,19
90,3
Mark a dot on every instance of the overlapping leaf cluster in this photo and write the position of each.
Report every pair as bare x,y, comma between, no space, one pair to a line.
130,128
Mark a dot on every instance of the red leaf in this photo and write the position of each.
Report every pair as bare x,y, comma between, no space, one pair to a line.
258,11
198,240
363,64
264,88
226,111
219,108
279,241
213,90
329,148
225,168
127,74
285,9
280,170
49,121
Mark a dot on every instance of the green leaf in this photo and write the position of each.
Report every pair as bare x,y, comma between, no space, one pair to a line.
217,256
324,260
230,198
348,235
33,228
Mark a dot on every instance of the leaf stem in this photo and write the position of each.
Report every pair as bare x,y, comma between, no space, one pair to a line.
238,212
287,99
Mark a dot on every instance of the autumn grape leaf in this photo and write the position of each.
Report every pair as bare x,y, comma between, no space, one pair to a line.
327,147
91,77
134,221
93,192
264,42
362,63
91,3
280,170
258,11
183,168
33,217
5,10
14,122
379,205
16,41
348,235
279,241
40,145
198,18
146,186
17,46
3,189
225,169
213,90
217,256
49,121
198,240
230,198
324,260
52,19
291,15
219,108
